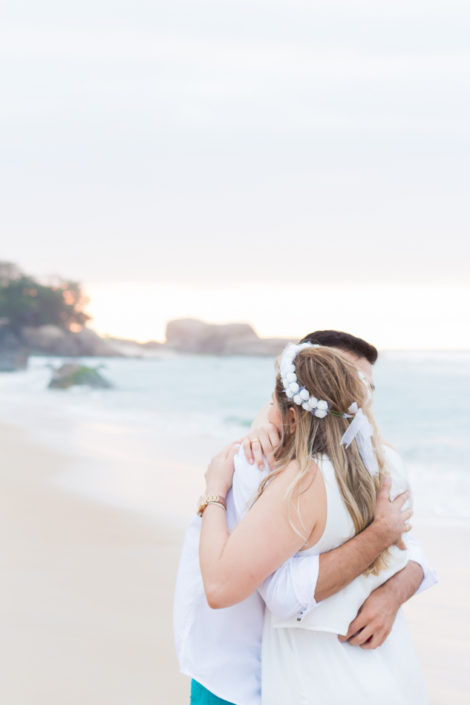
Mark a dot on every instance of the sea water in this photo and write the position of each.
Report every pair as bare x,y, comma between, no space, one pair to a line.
185,407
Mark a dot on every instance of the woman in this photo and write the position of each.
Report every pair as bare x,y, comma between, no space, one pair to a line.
321,492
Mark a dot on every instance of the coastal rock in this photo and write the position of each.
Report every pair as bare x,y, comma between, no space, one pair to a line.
13,353
190,335
52,340
90,343
49,340
71,374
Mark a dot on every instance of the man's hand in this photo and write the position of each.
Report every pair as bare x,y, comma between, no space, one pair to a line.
374,620
260,441
391,520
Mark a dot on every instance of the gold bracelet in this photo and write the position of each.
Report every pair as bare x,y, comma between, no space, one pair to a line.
212,501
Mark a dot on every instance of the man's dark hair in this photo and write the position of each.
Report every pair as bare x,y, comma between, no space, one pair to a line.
343,341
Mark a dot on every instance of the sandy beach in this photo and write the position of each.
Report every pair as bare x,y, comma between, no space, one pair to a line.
86,593
87,596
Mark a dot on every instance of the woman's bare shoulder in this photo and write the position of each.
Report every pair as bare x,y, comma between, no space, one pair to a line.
291,472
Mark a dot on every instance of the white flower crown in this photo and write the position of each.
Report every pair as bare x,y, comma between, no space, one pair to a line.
359,428
300,395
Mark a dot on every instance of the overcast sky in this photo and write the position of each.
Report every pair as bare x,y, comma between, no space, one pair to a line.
164,153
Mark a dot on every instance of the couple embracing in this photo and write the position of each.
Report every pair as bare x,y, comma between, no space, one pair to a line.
294,570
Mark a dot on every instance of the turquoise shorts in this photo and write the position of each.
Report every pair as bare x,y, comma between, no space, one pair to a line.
202,696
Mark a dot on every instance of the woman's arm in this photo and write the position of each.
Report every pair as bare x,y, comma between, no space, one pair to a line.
234,565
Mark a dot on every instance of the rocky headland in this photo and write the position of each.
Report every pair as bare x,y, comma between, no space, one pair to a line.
52,340
190,335
186,335
14,352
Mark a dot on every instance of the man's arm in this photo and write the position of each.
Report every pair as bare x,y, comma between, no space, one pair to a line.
303,581
375,618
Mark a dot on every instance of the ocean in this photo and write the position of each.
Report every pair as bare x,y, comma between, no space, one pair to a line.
147,440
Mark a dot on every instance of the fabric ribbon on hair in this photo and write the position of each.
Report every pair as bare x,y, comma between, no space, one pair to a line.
361,429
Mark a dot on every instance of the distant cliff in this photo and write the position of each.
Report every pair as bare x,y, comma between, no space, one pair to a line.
16,345
185,335
190,335
38,318
44,318
52,340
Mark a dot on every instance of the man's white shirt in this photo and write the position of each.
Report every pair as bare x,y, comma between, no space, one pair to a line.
221,649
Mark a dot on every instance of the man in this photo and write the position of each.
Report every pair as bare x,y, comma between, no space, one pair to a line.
220,649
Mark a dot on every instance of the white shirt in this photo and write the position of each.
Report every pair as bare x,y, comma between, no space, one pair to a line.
221,649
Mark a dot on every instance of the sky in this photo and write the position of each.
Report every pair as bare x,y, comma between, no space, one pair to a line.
293,164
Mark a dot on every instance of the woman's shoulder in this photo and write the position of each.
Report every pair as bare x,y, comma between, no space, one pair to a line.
306,477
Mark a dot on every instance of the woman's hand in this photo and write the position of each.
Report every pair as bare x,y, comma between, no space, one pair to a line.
263,440
219,473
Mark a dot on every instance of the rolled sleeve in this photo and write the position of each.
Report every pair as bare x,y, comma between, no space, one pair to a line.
416,554
290,591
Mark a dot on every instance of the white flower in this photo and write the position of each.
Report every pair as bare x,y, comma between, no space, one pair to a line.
293,390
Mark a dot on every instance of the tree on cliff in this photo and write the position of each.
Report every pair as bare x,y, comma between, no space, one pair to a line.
27,302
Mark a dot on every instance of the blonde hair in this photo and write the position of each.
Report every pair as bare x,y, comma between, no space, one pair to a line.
328,375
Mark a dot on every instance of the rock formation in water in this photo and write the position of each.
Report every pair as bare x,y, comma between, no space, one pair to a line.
72,373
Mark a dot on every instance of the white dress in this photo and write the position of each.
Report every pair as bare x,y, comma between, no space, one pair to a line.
304,663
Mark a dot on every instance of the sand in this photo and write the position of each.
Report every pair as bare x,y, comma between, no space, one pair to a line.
439,618
86,596
86,593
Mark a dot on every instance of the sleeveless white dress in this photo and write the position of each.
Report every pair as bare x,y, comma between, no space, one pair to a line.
304,663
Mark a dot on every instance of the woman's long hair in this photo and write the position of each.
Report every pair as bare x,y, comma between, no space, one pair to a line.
328,375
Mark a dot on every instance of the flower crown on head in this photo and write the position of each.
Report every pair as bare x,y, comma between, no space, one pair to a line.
360,428
299,395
